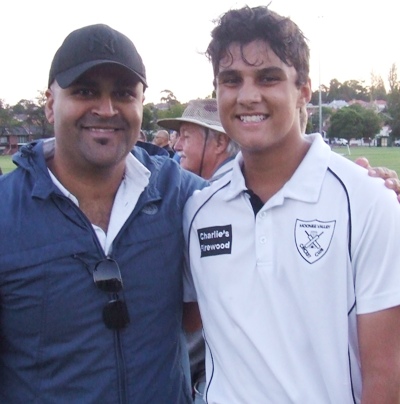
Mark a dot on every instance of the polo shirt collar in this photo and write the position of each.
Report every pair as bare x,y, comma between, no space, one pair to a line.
304,185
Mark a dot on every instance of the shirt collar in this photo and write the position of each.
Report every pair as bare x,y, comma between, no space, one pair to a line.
305,183
136,176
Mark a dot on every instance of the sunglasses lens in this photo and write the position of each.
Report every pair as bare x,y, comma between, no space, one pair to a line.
107,276
115,314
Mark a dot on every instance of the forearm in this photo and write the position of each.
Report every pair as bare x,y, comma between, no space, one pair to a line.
383,388
379,337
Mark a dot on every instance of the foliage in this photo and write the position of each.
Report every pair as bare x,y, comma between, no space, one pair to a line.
354,122
345,123
168,97
313,121
32,113
151,114
347,91
6,116
28,114
377,89
394,102
175,111
148,123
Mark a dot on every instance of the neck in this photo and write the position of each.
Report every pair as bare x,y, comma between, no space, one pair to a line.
95,190
267,172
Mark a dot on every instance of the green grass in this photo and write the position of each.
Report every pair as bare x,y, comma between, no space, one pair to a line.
6,164
377,156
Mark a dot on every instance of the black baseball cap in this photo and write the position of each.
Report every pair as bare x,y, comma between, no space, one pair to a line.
91,46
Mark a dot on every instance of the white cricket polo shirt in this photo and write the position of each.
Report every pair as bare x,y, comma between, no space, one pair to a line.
279,292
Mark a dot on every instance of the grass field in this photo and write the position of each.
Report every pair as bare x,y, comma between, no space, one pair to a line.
6,164
378,156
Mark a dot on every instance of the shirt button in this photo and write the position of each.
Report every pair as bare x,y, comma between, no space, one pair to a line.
263,240
263,215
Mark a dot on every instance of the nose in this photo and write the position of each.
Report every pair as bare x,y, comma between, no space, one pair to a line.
105,106
249,93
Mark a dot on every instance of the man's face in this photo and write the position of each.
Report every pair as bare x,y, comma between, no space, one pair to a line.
161,138
97,119
190,146
259,102
173,137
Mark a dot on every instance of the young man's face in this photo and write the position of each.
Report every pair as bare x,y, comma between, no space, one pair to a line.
259,102
97,119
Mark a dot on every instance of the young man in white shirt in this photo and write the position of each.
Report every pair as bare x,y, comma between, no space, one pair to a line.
294,253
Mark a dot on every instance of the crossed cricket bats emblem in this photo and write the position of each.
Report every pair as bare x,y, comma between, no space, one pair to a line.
313,238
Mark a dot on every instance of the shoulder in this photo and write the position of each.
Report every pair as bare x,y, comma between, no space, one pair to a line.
168,176
208,194
355,178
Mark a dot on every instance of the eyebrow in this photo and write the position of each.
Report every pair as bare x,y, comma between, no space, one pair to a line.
265,70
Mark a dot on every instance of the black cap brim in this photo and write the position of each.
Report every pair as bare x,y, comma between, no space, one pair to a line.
66,78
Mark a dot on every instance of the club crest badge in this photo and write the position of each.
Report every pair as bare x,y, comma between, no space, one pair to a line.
313,238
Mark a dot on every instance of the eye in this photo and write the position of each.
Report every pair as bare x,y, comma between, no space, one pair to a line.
270,76
125,93
84,92
229,79
268,79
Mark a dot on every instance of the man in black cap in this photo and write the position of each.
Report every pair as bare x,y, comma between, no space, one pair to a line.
90,277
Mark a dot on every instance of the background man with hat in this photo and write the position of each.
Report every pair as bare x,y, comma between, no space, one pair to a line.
203,146
90,269
206,150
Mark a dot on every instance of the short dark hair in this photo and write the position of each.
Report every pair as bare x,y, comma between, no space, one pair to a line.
247,24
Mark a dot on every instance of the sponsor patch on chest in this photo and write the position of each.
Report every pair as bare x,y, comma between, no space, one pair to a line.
216,240
313,238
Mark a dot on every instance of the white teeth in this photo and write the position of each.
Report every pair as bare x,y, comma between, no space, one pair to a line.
252,118
102,130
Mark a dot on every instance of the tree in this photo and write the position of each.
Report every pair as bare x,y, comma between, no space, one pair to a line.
32,116
392,79
148,122
313,119
7,118
394,102
371,122
355,122
324,95
354,90
175,111
377,89
168,97
334,91
346,123
39,118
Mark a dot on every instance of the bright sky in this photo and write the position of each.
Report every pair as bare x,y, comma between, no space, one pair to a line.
349,39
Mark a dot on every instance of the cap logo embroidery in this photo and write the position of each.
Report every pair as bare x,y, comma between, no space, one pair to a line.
313,238
102,43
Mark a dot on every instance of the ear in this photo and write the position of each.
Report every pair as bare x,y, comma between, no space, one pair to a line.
305,94
49,105
222,141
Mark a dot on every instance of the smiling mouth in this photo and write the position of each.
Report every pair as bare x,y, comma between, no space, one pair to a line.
100,130
252,118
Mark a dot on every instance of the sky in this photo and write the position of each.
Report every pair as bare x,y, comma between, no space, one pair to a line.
348,39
